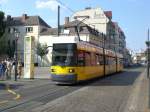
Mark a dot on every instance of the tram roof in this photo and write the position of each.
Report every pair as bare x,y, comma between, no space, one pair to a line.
93,48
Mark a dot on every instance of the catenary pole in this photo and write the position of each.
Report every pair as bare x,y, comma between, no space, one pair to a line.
148,53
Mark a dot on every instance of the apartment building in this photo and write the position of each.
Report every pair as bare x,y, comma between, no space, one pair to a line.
25,26
102,21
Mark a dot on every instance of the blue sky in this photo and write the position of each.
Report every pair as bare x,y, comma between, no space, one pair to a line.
133,16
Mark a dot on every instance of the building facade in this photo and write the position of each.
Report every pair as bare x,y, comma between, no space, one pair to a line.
97,19
25,26
102,21
140,58
92,25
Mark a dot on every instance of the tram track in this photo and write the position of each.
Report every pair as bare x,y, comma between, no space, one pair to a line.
52,93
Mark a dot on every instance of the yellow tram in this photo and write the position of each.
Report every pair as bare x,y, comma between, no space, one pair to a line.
75,62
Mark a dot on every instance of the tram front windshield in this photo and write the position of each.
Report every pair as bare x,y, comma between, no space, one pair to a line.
64,54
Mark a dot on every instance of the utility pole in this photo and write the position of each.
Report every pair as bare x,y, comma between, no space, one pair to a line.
104,59
148,53
58,31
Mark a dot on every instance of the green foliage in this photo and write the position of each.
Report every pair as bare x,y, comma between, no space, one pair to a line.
3,43
2,23
3,46
42,50
11,49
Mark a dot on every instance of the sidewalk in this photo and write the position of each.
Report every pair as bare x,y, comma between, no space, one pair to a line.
42,72
88,99
39,73
22,84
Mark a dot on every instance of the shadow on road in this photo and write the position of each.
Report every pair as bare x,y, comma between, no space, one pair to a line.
120,79
3,86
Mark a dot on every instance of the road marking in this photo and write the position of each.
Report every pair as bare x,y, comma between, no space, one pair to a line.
18,96
2,102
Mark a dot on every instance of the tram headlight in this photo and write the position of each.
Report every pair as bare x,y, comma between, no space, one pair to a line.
71,70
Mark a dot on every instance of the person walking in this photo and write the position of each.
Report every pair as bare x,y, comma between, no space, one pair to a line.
13,67
9,68
6,71
1,71
19,70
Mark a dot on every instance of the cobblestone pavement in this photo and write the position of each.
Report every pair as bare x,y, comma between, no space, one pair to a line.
122,92
117,93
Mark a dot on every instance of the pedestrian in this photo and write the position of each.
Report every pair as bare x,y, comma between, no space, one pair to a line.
19,70
6,71
9,68
1,67
3,70
13,67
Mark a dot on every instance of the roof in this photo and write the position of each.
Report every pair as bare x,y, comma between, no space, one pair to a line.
48,31
27,21
108,14
115,24
75,23
83,29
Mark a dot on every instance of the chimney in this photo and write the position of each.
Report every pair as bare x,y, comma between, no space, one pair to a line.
8,17
24,17
88,8
66,20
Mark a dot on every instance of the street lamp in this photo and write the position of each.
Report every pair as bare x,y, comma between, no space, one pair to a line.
16,53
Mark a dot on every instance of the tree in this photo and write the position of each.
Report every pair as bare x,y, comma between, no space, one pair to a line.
3,43
2,23
42,50
10,48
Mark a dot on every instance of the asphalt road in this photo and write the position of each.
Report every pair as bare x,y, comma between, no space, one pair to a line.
114,92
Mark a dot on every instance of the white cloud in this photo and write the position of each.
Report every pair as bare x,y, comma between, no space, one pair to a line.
3,1
49,4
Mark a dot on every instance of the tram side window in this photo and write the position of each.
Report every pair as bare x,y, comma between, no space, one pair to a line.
118,62
97,59
101,60
93,59
112,60
87,59
121,61
107,60
81,58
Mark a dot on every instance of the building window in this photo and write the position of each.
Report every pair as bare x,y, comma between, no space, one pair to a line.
29,29
12,30
15,30
9,30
